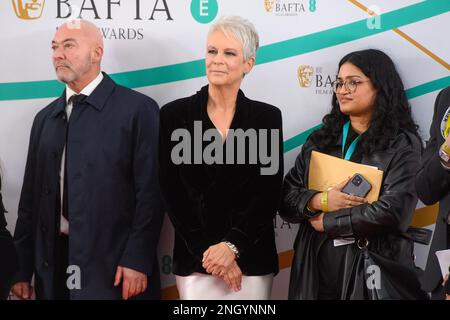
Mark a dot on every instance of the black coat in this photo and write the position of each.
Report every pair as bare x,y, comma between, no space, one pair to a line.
381,222
208,204
433,185
114,198
8,258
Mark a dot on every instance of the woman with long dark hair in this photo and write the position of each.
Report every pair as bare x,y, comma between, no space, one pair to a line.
370,123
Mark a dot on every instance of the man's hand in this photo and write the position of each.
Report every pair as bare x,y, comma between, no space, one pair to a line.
134,282
217,258
23,290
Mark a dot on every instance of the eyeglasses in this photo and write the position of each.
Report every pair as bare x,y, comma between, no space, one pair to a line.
350,85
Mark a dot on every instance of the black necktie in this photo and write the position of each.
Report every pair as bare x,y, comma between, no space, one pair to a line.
76,99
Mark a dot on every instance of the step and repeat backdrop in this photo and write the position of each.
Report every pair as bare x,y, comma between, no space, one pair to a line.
157,47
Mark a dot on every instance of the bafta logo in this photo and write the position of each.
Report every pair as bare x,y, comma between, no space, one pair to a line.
304,74
28,9
268,5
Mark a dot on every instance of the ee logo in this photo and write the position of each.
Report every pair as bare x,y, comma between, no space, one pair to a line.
204,11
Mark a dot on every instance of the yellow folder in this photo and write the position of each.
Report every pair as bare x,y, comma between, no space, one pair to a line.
326,171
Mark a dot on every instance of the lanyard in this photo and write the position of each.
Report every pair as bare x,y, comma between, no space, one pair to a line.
352,146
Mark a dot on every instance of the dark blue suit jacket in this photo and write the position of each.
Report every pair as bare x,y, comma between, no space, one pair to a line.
433,185
113,188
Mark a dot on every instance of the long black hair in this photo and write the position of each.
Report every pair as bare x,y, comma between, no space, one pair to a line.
391,113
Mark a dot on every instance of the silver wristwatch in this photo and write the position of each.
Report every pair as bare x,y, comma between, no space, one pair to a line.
233,248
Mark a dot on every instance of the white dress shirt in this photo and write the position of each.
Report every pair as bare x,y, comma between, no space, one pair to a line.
64,224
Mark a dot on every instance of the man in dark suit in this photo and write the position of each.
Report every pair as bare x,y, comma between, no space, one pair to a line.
89,214
433,185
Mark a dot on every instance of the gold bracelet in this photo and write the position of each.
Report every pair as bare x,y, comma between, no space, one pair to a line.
324,201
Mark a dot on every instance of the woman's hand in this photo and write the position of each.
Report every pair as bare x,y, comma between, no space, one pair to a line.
317,223
217,257
336,199
339,200
232,276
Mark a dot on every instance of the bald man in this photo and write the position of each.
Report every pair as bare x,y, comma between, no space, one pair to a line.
89,214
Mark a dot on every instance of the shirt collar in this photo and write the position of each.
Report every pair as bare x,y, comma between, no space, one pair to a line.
86,90
96,99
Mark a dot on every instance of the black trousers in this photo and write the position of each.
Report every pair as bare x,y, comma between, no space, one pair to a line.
61,263
330,264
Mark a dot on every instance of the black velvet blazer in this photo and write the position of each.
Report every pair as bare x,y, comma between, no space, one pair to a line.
210,203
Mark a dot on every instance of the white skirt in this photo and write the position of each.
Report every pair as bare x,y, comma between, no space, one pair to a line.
199,286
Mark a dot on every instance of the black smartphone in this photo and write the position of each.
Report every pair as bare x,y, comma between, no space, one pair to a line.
357,186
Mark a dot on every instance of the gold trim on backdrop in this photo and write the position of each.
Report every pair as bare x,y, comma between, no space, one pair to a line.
407,38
